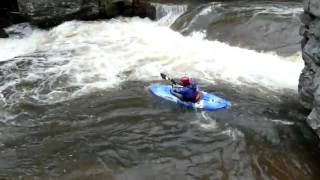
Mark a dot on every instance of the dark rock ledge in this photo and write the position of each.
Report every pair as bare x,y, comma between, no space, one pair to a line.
8,15
49,13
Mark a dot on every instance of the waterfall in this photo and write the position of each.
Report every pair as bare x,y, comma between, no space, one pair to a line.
167,14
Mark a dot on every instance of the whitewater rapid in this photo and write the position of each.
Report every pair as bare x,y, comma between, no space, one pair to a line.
103,54
74,102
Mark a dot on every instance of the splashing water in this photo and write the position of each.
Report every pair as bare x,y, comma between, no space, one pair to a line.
103,54
125,132
167,14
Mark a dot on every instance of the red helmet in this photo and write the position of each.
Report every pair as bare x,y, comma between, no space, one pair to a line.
185,80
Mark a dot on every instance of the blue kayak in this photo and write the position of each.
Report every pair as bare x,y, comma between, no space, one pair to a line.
207,101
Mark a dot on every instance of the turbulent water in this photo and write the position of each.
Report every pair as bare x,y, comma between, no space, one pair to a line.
74,101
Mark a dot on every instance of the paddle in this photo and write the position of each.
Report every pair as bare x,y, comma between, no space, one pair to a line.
165,77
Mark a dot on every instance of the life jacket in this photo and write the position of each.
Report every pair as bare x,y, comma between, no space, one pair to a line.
195,94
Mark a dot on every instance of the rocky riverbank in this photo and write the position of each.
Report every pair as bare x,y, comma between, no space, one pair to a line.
48,13
309,82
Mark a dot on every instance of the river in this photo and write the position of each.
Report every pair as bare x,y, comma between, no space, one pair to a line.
75,104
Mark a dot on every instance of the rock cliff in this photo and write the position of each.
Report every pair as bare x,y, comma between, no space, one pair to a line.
8,15
309,82
48,13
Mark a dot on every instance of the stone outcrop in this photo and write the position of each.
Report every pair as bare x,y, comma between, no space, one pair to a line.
309,82
47,13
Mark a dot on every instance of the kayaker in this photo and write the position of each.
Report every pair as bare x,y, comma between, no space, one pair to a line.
186,90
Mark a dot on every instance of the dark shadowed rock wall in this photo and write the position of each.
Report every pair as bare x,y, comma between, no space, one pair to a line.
9,14
47,13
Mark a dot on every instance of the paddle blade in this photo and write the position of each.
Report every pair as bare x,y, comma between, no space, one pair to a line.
165,77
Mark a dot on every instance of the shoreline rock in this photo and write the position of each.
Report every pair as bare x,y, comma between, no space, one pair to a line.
3,34
49,13
309,81
8,15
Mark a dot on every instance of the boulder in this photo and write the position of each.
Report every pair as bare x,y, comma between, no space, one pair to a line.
312,50
144,9
4,19
308,77
312,7
128,8
306,18
309,81
46,13
314,117
8,15
305,88
314,27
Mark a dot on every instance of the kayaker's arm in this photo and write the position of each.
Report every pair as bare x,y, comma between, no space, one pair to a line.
176,87
174,91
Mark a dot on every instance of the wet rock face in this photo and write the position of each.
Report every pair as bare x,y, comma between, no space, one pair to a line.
52,12
309,82
47,13
313,7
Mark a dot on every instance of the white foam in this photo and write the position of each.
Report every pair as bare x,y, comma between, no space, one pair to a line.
268,8
277,121
104,54
12,47
206,122
282,10
233,133
168,13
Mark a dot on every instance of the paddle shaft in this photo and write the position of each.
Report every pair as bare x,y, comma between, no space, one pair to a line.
165,77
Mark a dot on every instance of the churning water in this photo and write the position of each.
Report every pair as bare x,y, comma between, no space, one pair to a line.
74,103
